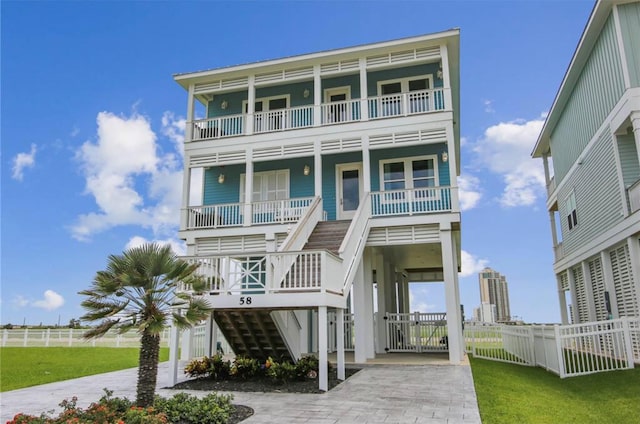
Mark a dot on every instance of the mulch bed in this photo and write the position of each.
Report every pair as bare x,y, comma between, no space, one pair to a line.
259,384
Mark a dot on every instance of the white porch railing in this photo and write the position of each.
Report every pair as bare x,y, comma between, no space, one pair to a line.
354,242
416,332
349,332
223,126
634,196
401,104
71,337
268,273
341,112
232,214
567,350
411,201
283,119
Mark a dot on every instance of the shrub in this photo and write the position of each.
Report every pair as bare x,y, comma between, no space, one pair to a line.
307,366
280,372
219,369
197,367
244,367
213,408
139,415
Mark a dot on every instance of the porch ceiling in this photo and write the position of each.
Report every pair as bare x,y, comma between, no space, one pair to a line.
415,258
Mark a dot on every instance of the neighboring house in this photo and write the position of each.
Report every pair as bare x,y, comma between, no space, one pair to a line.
593,182
495,291
328,181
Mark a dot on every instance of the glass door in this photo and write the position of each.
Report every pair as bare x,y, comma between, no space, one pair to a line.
349,189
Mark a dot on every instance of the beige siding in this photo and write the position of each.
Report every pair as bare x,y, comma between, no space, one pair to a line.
595,93
599,201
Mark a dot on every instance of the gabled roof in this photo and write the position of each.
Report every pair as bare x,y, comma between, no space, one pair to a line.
590,35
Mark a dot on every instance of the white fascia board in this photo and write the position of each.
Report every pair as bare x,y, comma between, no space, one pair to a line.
590,35
435,39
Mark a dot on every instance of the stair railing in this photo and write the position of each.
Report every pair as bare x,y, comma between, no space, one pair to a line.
295,241
354,242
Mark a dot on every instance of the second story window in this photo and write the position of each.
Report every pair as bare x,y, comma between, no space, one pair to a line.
572,216
409,173
269,185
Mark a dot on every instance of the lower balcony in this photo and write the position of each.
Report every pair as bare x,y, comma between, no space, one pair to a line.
388,203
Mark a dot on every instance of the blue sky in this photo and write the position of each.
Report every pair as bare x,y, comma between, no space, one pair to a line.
92,125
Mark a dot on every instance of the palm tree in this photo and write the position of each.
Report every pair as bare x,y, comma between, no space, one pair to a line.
137,291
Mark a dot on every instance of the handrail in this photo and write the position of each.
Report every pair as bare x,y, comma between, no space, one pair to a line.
354,241
300,233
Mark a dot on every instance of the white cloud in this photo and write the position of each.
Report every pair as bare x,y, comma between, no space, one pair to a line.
131,180
51,301
471,264
470,192
488,106
75,131
20,301
505,150
173,128
418,295
22,161
177,246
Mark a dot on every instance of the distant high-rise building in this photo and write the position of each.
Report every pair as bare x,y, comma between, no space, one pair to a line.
494,291
486,312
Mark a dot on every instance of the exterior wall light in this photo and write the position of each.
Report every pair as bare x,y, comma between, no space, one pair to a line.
439,73
221,179
306,93
224,104
307,170
445,156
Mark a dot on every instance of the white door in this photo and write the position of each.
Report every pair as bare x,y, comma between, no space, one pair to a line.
349,189
337,110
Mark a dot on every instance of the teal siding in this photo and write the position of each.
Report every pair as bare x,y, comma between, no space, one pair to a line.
599,201
430,149
628,159
409,71
229,192
352,81
329,163
630,28
596,91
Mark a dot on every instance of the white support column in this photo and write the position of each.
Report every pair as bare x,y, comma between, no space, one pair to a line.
390,287
317,168
251,104
607,274
364,93
174,346
188,130
368,326
317,96
186,190
248,189
450,268
381,330
340,342
359,315
446,80
407,295
399,292
186,348
562,300
366,164
208,336
323,378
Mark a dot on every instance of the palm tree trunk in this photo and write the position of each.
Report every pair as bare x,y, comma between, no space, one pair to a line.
147,369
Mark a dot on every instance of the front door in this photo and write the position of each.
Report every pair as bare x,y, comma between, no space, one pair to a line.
349,189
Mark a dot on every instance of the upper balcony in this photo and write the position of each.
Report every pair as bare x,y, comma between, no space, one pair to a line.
331,113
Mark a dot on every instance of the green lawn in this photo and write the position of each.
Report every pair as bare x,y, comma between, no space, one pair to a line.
509,393
29,366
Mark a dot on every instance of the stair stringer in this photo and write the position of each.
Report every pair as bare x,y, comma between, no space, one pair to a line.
290,330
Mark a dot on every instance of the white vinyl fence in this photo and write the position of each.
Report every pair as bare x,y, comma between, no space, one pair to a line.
566,350
349,334
71,337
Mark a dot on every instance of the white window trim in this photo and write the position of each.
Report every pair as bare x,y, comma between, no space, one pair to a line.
265,102
328,92
404,83
571,198
409,176
262,174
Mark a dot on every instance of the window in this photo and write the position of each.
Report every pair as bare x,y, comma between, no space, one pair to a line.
269,185
409,173
572,217
418,98
270,113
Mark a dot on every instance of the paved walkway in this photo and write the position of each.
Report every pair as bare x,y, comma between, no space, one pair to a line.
442,394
